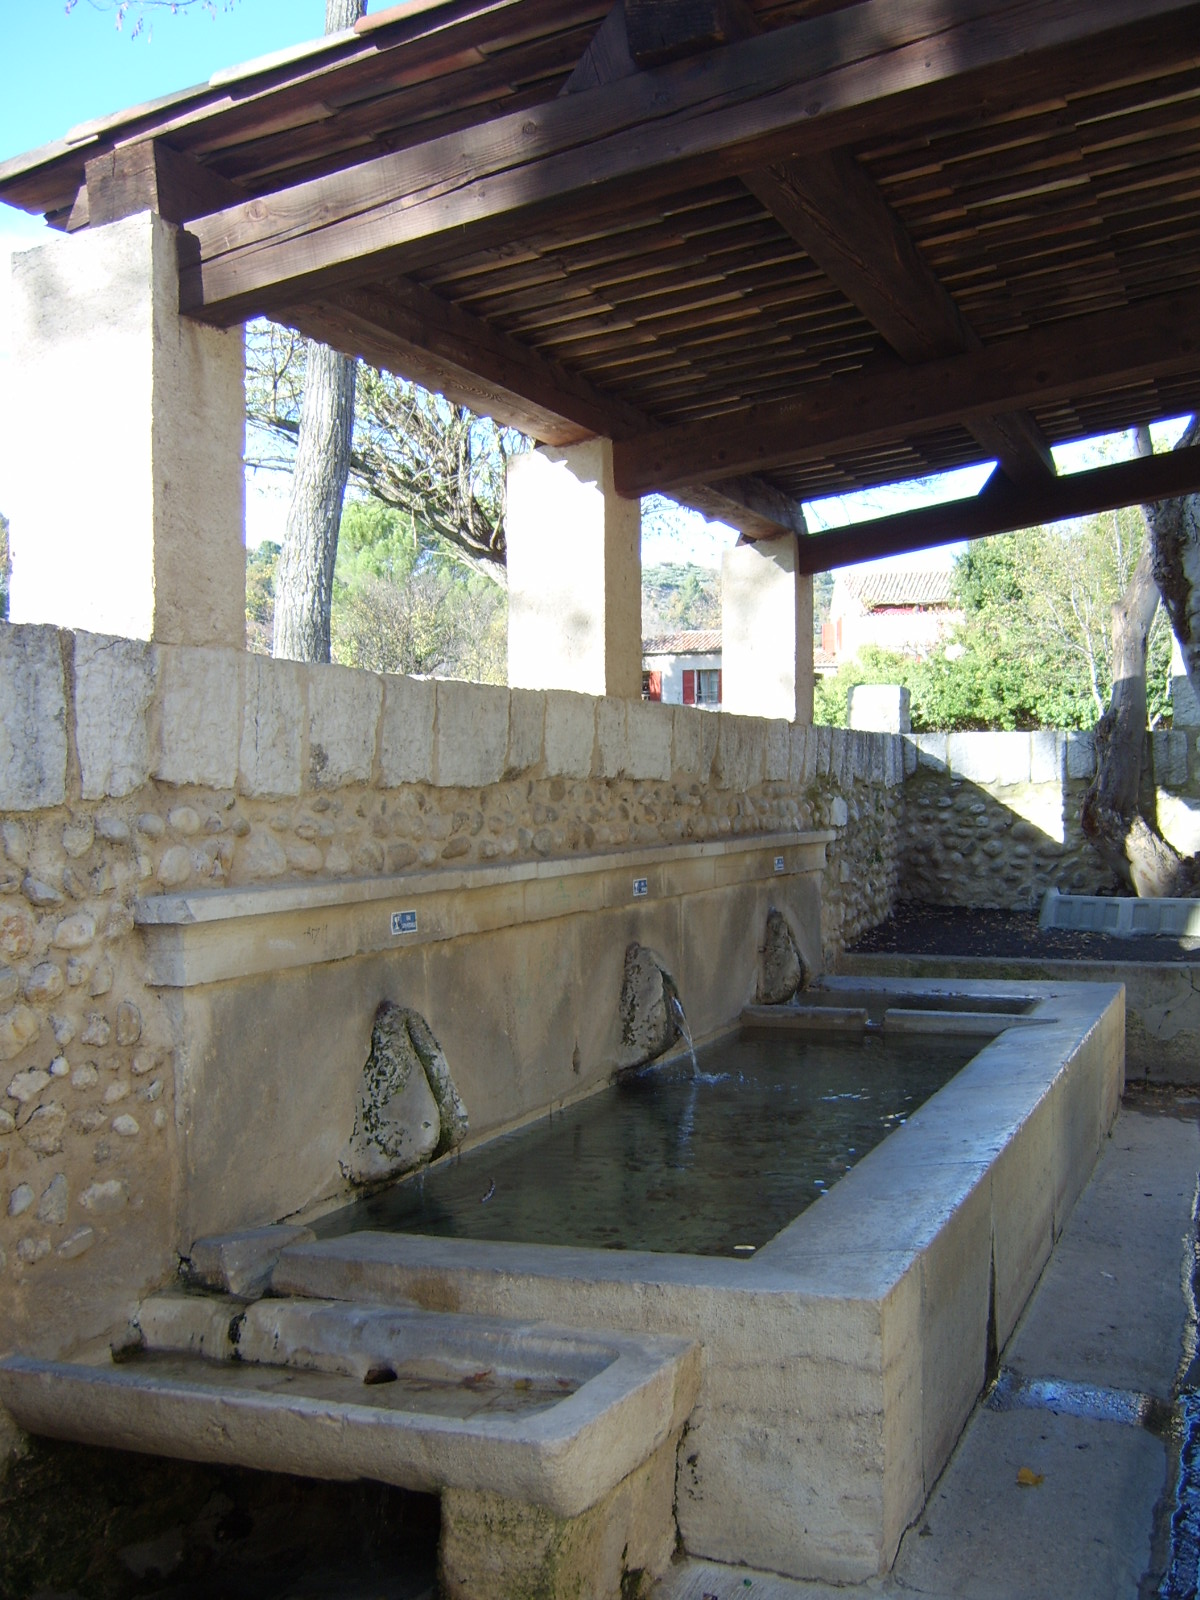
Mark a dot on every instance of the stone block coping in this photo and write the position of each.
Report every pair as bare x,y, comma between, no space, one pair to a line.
1120,914
212,934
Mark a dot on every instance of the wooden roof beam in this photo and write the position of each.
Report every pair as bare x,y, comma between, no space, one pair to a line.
148,175
829,205
1061,361
406,329
1000,508
814,85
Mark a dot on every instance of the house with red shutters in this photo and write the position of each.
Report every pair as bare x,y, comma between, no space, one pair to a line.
683,668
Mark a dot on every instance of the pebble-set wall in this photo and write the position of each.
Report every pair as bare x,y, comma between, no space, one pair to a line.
992,819
129,770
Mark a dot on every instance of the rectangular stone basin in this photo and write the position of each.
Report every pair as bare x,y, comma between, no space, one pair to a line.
531,1413
841,1361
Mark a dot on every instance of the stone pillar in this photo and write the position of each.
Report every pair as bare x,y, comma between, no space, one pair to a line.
766,632
124,481
880,708
574,574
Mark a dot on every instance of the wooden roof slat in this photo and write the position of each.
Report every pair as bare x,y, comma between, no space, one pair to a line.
742,105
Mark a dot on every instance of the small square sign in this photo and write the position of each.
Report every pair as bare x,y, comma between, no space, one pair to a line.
641,888
404,922
778,863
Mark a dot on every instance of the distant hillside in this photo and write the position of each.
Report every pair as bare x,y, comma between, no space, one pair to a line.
677,595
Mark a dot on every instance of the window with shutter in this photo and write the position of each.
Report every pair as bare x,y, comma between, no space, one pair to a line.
689,686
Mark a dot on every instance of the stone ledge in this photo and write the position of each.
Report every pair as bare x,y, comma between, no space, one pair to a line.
231,933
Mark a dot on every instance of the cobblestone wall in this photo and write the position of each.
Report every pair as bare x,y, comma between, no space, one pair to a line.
128,770
992,819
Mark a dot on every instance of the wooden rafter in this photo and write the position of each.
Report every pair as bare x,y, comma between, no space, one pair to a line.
832,209
811,86
999,508
1065,360
404,328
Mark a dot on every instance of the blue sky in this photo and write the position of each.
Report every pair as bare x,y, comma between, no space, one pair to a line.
61,70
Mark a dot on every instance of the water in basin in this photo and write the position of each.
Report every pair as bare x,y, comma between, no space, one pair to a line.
713,1162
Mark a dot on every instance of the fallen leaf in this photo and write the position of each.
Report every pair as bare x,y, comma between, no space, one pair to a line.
1027,1478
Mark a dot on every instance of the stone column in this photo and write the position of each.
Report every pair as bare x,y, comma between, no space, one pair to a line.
124,479
766,632
574,574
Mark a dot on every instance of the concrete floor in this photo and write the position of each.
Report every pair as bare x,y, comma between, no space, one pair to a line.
1085,1407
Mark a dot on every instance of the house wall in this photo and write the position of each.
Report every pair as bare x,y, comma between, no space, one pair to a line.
673,668
141,782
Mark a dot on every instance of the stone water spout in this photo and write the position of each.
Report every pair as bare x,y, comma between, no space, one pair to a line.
408,1109
650,1007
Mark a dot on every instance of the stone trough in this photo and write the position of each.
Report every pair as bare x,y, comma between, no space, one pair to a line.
562,1442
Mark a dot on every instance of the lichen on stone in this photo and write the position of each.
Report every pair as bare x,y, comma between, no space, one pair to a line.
407,1110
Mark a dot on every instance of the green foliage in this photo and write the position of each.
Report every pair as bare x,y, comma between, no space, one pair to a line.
677,595
261,565
1034,649
403,603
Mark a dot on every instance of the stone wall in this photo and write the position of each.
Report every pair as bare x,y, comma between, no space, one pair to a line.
129,770
992,819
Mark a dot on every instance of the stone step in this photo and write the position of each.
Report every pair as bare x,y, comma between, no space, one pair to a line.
540,1415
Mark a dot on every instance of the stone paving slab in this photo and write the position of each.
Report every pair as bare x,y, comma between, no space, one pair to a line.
1109,1310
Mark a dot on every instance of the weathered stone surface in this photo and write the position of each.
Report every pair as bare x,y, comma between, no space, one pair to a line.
782,970
43,1133
612,758
126,1126
273,714
185,820
175,866
452,1114
33,719
198,716
685,740
741,752
406,733
114,686
241,1263
526,728
343,719
648,1019
77,1243
18,1029
31,1250
46,982
260,855
78,836
1081,754
104,1198
52,1207
509,1550
97,1030
470,735
396,1119
75,932
649,734
779,750
129,1023
38,892
16,934
102,979
570,733
20,1200
10,987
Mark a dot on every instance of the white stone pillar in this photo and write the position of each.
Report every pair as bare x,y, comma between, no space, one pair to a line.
766,632
574,574
123,477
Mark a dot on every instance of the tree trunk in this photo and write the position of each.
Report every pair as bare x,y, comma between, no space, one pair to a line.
1170,558
304,585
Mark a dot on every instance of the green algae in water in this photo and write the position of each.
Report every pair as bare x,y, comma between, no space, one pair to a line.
675,1162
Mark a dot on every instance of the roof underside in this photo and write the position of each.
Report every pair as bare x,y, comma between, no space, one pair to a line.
775,251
